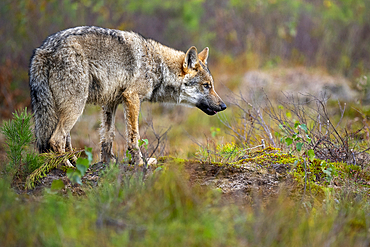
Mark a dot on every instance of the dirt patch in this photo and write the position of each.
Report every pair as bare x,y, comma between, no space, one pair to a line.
242,181
236,183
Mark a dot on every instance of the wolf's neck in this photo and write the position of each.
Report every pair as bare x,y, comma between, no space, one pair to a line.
169,68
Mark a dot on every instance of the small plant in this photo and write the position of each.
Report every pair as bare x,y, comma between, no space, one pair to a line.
82,164
215,131
19,138
143,143
51,161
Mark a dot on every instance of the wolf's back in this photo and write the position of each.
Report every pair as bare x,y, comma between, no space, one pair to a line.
42,99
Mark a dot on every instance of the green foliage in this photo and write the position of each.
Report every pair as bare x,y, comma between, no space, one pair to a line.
51,161
19,138
215,131
82,164
298,137
143,143
164,210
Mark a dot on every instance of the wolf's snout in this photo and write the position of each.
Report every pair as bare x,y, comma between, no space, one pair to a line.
223,106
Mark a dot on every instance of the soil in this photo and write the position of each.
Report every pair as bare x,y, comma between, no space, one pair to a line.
235,183
243,182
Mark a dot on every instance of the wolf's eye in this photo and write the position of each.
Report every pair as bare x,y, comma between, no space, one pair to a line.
207,85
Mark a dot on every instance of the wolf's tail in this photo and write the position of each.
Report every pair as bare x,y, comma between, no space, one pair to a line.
42,100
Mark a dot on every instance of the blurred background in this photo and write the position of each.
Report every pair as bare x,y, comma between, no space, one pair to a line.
296,45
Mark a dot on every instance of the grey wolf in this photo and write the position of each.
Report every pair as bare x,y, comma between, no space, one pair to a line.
93,65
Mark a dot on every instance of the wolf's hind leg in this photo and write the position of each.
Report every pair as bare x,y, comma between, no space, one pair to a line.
60,140
107,133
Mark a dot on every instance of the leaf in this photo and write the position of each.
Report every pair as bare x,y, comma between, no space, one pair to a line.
299,146
142,142
88,152
83,161
304,128
289,141
74,175
81,168
296,124
311,154
57,185
158,169
288,114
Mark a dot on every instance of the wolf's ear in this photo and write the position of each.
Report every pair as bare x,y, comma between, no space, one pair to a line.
191,58
203,55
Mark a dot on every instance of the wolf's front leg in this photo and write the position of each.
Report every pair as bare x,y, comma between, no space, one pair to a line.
132,109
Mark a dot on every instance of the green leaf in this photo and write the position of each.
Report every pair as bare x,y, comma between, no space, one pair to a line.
158,169
128,156
88,152
299,146
304,128
83,161
142,142
311,154
57,185
81,168
146,141
74,175
288,114
296,124
289,141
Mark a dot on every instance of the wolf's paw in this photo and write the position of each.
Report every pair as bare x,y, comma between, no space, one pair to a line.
149,161
152,161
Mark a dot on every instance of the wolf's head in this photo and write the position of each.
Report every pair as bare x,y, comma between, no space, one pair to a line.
197,88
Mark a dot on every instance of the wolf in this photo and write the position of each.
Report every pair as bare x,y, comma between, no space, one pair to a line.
107,67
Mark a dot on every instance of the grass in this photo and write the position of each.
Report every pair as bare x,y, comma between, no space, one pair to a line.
165,210
318,204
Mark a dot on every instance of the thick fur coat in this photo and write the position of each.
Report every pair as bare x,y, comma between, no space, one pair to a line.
93,65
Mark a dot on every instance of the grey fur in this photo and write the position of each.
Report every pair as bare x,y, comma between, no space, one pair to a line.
110,67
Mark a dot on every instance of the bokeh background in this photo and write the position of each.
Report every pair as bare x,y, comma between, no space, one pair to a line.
280,45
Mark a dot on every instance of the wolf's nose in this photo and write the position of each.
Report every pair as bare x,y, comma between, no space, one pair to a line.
223,106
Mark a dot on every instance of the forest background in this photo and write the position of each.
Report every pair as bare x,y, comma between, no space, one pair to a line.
242,35
284,165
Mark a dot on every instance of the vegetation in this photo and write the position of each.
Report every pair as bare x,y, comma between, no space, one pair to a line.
318,198
245,34
272,170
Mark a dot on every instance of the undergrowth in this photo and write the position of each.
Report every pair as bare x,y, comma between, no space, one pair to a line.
19,138
163,207
165,210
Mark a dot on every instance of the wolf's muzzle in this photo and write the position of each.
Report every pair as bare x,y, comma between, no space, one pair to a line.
211,109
